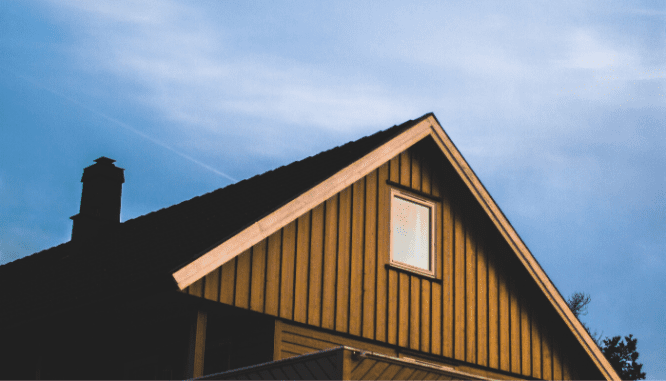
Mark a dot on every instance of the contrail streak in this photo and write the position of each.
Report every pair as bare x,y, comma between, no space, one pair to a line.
127,127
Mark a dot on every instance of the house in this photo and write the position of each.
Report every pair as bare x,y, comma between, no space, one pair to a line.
382,258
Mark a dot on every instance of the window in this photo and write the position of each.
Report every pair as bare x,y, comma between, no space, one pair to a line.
412,232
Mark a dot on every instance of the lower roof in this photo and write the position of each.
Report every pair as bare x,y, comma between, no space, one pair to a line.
344,363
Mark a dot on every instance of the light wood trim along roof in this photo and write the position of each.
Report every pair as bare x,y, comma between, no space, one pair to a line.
268,225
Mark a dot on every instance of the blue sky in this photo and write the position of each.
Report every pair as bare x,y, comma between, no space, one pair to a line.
559,107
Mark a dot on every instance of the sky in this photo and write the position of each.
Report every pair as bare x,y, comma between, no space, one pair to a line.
559,107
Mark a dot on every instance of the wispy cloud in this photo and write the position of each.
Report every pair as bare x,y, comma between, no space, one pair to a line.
126,127
649,12
193,71
589,52
195,74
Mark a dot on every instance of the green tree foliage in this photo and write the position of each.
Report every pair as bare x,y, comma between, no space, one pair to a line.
620,353
622,356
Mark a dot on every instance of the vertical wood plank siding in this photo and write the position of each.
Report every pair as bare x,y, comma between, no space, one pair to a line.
330,263
381,292
482,306
447,253
328,269
470,302
302,268
357,258
286,301
258,277
370,256
316,266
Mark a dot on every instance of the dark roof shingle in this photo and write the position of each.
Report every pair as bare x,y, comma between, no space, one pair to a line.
143,252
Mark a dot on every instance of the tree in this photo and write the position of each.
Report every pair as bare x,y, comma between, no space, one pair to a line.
578,302
622,356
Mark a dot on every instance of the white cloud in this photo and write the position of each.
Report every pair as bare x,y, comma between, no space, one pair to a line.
648,12
589,52
290,93
191,72
608,59
131,12
502,79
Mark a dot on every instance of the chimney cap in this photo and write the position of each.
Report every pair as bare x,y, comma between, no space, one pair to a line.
103,168
104,160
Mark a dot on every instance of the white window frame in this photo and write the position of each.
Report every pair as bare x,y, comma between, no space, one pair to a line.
398,193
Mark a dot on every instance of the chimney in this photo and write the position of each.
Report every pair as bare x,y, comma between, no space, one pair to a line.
100,200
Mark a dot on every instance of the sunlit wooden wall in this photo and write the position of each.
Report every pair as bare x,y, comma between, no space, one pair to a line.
328,269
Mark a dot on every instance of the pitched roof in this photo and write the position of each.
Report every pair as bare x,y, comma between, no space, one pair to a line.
143,252
426,126
186,241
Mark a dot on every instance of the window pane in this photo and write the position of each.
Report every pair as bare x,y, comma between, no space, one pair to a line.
411,233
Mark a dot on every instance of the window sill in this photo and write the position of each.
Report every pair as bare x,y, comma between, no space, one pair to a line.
396,267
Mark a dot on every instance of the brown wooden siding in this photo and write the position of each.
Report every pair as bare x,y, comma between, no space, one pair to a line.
293,340
328,269
296,340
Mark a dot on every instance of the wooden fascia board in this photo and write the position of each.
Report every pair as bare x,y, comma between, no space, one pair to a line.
268,225
520,249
